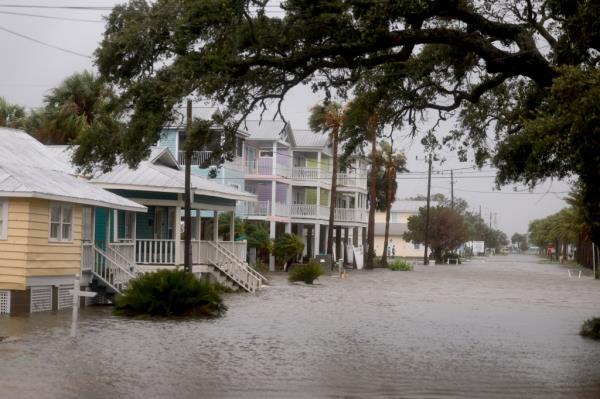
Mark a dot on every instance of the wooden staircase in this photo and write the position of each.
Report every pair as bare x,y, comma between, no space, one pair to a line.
234,268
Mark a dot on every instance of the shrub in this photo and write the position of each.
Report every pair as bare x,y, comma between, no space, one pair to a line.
169,293
400,265
591,328
288,247
258,237
307,274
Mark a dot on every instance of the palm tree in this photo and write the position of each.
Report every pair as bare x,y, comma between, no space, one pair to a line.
328,118
71,108
372,130
391,162
11,115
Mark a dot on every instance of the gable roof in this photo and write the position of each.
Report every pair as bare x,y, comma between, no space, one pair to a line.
154,174
269,130
310,139
29,170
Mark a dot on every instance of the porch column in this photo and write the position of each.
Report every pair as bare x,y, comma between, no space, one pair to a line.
199,224
177,229
215,226
274,164
325,238
301,235
107,228
319,192
288,228
272,236
317,236
273,196
115,225
232,226
318,171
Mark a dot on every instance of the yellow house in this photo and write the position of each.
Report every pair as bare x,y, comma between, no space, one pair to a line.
399,214
45,215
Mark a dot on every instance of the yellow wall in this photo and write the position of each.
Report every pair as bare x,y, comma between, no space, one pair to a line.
28,252
403,248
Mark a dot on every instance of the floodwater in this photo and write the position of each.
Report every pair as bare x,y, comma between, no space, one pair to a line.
503,327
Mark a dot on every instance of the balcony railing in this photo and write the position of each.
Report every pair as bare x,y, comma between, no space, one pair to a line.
258,208
351,215
352,179
264,167
199,158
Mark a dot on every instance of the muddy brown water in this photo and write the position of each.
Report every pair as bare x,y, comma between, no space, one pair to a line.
503,327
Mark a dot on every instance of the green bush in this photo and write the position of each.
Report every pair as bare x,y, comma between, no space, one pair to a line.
307,274
400,265
591,328
169,293
288,247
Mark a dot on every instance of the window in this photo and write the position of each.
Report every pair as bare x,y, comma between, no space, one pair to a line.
3,219
87,224
61,222
266,154
395,217
417,246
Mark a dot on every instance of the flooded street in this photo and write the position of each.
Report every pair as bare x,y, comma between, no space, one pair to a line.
504,327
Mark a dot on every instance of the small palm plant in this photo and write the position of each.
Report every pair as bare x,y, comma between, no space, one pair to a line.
307,274
288,247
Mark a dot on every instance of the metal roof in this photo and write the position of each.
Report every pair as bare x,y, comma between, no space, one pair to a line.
269,130
154,174
29,169
308,138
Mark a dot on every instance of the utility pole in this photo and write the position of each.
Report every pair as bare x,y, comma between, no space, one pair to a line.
452,188
425,257
490,220
187,218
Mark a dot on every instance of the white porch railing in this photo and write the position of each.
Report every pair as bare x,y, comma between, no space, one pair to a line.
351,215
264,167
238,248
304,210
110,271
352,179
199,158
87,256
281,209
258,208
244,276
159,252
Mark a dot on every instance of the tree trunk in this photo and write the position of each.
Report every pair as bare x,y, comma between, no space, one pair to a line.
388,211
333,192
372,194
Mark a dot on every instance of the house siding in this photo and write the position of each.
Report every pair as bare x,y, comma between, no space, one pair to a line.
168,139
27,252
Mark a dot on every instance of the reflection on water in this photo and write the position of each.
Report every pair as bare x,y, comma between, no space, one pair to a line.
506,327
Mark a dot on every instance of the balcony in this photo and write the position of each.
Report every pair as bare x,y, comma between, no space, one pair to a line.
264,167
199,158
310,174
261,208
313,211
355,179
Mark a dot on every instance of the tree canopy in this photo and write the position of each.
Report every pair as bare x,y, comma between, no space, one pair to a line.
503,67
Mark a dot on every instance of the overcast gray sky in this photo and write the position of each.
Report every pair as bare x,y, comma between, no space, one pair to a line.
29,69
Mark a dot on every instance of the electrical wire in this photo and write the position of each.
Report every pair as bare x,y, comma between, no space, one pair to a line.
12,32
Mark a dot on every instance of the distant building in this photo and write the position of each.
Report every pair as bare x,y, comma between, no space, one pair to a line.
400,212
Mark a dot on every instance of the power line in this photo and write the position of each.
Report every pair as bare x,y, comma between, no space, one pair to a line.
23,14
44,43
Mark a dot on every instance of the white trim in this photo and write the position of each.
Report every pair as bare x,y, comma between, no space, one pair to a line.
4,220
5,302
36,293
62,207
73,200
173,190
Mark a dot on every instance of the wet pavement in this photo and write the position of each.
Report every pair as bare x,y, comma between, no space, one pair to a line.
494,328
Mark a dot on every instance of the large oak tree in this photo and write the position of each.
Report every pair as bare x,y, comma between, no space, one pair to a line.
500,65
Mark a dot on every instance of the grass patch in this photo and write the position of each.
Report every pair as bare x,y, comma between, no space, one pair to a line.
307,274
170,293
400,265
591,328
